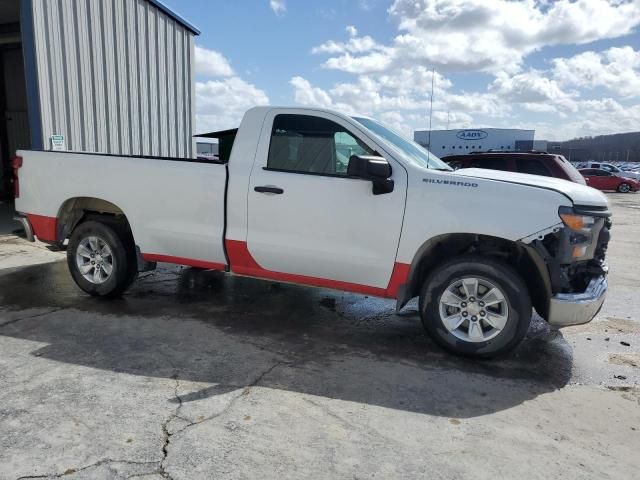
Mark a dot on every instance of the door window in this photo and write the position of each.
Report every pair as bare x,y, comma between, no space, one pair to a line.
308,144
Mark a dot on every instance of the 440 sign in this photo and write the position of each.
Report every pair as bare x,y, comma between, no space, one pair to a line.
472,134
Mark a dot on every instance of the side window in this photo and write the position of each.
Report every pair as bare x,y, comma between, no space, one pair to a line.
492,163
347,145
307,144
534,167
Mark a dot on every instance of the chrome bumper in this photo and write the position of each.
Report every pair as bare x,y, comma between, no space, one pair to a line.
576,308
24,221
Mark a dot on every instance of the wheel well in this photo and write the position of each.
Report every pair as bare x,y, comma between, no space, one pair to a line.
80,209
521,257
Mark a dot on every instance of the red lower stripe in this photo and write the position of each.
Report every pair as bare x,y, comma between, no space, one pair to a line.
45,228
154,257
243,263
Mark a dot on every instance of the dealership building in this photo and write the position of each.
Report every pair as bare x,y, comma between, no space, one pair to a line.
456,142
108,76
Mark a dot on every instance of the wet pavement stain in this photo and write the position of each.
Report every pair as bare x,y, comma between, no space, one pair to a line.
301,323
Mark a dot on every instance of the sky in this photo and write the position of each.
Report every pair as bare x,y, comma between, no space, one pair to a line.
566,68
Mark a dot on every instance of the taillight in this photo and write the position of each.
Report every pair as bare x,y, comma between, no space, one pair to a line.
16,163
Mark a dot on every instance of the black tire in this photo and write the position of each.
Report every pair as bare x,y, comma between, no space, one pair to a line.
118,237
498,273
624,188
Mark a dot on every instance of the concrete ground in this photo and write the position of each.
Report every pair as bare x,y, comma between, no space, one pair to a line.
196,375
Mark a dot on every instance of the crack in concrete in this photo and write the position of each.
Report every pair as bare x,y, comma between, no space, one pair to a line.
71,471
16,320
176,414
165,430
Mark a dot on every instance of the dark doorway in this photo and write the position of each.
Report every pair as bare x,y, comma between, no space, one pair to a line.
14,122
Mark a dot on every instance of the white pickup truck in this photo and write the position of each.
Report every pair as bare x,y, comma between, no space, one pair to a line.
314,197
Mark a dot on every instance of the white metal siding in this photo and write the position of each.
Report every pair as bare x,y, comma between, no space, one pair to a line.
449,142
114,76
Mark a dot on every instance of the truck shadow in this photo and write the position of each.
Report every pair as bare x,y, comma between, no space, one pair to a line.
228,333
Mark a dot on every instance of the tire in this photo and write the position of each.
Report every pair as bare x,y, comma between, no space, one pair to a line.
483,339
92,236
624,188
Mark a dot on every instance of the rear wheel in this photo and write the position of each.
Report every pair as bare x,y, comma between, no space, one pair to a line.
476,306
101,257
624,188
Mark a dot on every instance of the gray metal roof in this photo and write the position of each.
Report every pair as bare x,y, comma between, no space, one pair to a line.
178,18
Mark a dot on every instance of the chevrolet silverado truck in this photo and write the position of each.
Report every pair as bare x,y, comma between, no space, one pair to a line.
315,197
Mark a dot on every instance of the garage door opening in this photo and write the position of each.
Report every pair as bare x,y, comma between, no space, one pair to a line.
14,120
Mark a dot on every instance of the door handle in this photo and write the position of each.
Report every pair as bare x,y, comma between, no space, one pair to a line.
266,189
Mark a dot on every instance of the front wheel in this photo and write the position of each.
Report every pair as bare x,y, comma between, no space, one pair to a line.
476,306
624,188
101,258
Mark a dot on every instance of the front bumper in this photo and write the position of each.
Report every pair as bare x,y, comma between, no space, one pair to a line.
576,308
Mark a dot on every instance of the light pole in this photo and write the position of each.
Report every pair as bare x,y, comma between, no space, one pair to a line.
433,75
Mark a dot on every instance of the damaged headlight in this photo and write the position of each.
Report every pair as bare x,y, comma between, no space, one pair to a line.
579,237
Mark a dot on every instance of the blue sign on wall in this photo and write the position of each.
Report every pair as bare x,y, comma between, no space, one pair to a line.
472,134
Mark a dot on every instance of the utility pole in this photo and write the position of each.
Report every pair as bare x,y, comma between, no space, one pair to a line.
433,75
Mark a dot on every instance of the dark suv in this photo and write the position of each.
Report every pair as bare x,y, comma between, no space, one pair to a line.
535,163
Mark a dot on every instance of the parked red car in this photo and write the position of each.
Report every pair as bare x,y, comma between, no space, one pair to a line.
603,180
535,163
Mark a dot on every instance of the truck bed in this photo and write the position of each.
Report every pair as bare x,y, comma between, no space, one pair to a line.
175,207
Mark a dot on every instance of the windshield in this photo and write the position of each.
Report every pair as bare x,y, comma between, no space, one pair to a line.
410,151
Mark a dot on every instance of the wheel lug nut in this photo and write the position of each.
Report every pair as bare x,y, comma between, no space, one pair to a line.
482,314
463,304
472,299
481,303
93,263
474,318
464,314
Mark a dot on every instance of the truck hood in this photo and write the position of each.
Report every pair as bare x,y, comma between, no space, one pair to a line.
579,194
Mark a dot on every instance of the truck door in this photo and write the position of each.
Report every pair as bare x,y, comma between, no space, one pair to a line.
306,218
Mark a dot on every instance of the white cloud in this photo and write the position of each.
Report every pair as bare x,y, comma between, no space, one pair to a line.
391,80
596,117
400,98
366,4
221,103
353,45
616,69
279,7
492,35
532,88
211,63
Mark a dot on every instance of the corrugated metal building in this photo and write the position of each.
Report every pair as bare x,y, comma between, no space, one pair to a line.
110,76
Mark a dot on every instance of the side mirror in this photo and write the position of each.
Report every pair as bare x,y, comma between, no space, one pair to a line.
374,169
